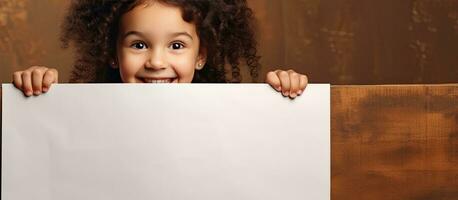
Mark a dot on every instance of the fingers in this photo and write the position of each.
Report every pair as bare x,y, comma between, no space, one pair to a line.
50,77
285,82
273,80
289,83
302,83
17,79
294,81
27,83
35,80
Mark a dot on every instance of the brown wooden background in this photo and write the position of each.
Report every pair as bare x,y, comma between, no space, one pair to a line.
394,142
336,41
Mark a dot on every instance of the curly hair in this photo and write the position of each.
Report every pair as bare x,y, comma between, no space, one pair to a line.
225,28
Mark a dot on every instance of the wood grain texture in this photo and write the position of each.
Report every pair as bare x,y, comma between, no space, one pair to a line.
361,42
29,35
394,142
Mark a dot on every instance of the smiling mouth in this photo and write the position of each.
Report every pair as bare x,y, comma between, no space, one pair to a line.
162,80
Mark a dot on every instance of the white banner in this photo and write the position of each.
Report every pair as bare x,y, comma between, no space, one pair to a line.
166,142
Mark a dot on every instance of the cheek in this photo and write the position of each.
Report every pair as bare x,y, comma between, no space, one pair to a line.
184,68
129,66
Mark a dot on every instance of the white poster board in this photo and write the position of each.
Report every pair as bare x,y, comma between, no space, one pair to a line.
166,142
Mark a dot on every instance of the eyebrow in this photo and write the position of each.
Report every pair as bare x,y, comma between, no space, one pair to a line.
176,34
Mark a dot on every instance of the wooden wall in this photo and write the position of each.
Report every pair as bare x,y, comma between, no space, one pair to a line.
29,35
394,142
362,42
335,41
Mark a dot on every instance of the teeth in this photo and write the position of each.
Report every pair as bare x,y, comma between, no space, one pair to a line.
158,81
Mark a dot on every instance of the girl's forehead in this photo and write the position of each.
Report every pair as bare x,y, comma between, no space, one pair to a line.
155,17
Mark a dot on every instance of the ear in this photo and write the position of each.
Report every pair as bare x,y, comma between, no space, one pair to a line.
201,59
114,63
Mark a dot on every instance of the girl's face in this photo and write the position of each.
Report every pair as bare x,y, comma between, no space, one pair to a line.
155,45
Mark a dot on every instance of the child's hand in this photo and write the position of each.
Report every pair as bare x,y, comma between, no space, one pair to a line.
289,83
35,80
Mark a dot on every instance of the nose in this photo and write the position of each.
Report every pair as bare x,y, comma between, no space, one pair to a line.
155,60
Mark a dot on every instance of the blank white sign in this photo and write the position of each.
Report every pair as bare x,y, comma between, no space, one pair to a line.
166,142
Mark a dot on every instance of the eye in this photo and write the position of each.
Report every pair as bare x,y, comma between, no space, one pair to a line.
176,45
139,45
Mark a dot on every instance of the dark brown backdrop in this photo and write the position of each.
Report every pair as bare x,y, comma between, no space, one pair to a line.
336,41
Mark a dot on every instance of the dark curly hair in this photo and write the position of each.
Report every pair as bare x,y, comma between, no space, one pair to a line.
225,28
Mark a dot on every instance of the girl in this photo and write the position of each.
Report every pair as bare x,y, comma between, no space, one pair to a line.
159,41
